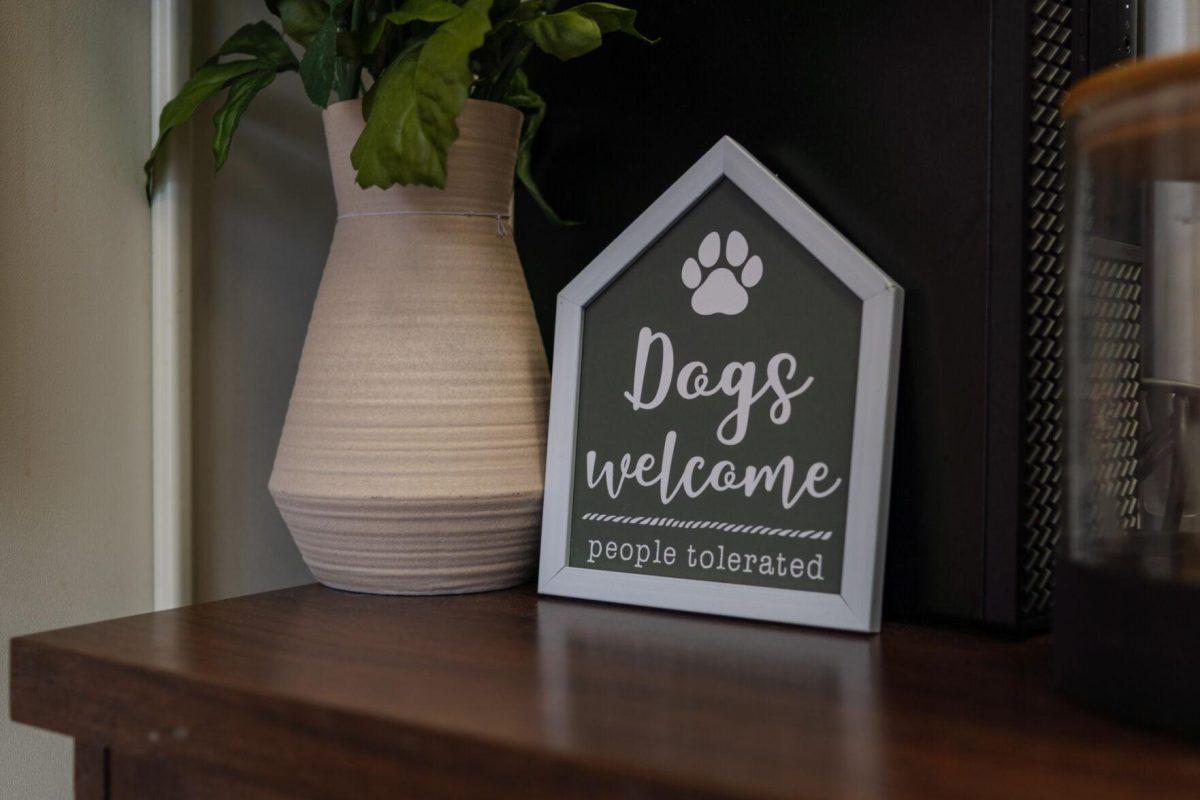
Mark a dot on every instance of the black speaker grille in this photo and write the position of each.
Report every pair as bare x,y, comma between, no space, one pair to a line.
1050,72
1112,327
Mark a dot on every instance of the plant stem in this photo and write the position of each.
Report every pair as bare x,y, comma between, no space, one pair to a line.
518,50
512,62
356,17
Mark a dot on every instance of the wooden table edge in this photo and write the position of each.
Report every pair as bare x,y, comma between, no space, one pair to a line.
44,694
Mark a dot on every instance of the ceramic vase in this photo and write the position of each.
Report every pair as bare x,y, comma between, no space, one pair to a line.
412,456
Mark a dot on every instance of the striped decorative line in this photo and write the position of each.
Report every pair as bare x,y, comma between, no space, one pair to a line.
726,527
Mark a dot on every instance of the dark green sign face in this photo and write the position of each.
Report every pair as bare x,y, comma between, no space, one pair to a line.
716,408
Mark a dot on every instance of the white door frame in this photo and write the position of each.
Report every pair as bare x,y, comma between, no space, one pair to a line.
170,314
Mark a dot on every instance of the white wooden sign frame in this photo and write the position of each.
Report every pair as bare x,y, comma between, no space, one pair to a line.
857,607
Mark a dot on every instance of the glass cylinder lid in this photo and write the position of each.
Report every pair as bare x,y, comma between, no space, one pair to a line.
1133,320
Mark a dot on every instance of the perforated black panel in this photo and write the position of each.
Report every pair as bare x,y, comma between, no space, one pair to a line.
1050,73
1112,319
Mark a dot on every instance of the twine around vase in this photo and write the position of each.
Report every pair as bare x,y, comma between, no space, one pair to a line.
501,228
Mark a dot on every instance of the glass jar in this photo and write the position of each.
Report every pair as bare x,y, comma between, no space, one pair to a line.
1127,618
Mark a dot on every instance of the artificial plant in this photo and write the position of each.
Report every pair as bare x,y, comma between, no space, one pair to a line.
414,62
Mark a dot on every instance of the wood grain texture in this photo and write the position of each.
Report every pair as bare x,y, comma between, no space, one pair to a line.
137,777
316,693
91,771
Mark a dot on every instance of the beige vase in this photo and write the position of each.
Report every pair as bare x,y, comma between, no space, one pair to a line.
412,456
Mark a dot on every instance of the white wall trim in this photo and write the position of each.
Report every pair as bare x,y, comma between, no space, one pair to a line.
170,314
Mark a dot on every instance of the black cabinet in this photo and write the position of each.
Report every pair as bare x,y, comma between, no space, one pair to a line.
928,133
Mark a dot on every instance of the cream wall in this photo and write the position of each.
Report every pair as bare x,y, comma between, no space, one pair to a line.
74,338
261,231
75,527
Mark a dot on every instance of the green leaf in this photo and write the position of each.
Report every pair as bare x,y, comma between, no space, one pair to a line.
520,95
411,11
417,100
528,9
245,78
423,11
317,66
373,35
612,18
226,120
259,40
523,97
301,19
579,30
565,35
204,84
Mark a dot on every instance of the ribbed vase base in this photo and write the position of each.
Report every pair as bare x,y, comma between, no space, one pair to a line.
401,590
416,547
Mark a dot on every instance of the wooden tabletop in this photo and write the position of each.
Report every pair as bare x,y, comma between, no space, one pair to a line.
317,693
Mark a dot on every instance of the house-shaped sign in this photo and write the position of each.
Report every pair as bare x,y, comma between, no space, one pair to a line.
721,413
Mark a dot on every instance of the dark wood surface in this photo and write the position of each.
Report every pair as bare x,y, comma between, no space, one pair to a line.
309,692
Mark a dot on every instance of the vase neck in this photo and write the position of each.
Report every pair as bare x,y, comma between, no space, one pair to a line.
479,166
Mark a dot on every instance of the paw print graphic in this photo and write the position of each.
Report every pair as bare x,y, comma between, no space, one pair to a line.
722,290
